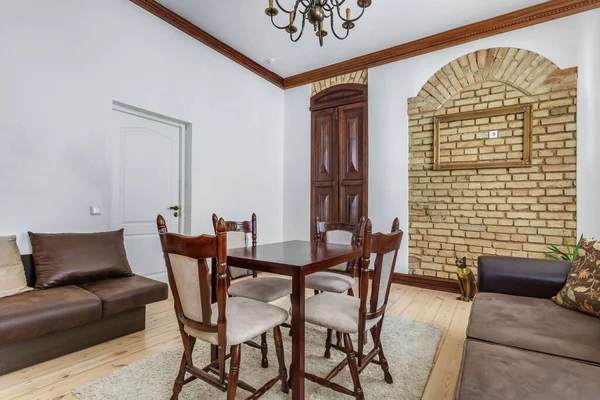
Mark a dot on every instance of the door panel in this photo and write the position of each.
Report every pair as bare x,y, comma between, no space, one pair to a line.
324,139
146,182
352,141
351,202
325,204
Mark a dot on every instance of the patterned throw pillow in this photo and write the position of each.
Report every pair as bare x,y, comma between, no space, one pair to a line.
582,290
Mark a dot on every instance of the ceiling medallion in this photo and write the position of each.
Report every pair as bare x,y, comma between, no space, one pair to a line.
315,12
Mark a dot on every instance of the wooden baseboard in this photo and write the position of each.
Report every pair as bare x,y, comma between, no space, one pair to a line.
427,282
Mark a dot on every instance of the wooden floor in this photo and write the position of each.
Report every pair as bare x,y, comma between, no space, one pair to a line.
56,378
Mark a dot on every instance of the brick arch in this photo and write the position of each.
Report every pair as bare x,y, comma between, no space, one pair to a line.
523,70
359,77
498,210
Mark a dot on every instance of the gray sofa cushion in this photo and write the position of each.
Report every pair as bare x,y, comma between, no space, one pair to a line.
494,372
535,324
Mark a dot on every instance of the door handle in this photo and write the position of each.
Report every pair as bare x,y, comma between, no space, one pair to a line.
175,208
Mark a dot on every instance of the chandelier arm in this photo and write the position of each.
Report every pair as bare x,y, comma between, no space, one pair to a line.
277,26
351,19
301,30
282,8
327,7
297,8
338,3
335,33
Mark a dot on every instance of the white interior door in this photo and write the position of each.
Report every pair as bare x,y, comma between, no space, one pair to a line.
147,180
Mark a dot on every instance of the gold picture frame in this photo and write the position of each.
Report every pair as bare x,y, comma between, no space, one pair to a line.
495,112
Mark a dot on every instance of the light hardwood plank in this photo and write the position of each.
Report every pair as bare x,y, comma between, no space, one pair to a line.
444,376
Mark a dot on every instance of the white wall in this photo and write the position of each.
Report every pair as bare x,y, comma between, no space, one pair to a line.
63,63
568,42
296,183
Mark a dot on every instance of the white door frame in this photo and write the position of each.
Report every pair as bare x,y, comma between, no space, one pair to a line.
185,160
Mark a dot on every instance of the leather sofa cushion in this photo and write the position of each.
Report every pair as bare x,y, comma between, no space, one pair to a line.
535,324
74,258
37,313
494,372
123,294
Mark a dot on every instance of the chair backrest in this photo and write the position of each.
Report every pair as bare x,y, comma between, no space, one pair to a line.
385,248
189,276
239,233
340,232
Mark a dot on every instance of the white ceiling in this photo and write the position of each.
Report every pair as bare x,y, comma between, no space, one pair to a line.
243,25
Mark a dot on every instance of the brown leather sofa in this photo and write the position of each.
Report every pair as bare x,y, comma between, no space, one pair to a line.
43,324
520,344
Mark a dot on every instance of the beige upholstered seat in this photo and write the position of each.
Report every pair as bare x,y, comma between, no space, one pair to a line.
330,282
246,319
265,289
335,311
342,281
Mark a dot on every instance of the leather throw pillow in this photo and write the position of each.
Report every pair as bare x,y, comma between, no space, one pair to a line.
75,258
582,289
12,272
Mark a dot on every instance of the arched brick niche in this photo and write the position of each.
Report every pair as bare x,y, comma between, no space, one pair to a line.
515,211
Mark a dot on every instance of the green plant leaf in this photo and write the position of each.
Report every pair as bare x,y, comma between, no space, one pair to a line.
569,252
575,252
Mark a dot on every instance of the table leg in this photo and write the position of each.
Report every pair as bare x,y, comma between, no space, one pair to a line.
298,339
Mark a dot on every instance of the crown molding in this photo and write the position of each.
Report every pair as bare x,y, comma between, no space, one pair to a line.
534,15
202,36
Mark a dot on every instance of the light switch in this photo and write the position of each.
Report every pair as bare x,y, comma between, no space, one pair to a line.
493,135
95,210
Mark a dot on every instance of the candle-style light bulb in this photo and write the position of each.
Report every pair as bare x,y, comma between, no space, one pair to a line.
291,18
348,14
270,3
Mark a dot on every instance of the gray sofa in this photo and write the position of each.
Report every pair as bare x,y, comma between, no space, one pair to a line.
520,344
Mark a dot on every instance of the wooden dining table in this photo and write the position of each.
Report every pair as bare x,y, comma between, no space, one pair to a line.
295,259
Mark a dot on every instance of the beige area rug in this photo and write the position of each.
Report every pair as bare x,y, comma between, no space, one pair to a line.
409,346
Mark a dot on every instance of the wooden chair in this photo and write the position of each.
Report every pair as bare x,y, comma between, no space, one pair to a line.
263,289
339,279
229,322
239,234
351,315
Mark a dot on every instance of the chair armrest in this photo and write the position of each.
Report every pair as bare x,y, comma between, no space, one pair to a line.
526,277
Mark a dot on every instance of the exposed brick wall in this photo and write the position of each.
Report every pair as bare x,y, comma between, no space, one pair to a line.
467,140
361,77
502,211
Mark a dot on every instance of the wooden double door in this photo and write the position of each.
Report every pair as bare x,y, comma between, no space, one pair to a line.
339,170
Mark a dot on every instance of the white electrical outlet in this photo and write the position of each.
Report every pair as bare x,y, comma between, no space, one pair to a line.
493,135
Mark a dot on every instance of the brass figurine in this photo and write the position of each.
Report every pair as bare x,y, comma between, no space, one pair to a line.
466,280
